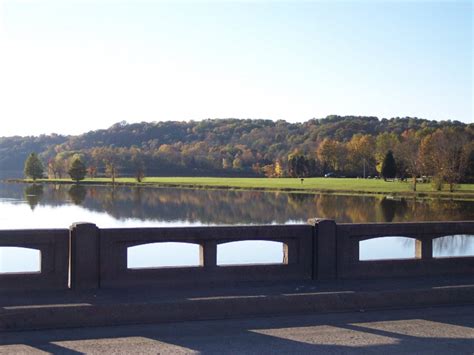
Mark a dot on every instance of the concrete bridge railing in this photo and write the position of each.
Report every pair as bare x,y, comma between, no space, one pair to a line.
53,246
347,238
86,257
105,264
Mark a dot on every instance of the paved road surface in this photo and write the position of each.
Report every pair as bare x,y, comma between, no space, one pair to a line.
437,330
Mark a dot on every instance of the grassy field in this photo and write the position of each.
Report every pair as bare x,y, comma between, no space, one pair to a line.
333,185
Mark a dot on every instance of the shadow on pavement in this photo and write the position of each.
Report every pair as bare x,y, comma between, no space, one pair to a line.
434,330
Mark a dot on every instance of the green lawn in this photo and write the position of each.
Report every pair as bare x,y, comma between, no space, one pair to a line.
341,185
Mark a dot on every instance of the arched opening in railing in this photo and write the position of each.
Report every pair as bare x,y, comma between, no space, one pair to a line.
251,252
387,248
19,260
163,254
453,246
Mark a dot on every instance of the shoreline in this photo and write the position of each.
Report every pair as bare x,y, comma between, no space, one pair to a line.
185,184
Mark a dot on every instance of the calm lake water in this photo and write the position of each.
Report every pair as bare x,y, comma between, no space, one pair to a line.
58,206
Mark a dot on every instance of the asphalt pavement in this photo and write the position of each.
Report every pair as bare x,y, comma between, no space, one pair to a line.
430,330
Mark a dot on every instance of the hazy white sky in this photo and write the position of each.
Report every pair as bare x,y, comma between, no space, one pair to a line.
73,66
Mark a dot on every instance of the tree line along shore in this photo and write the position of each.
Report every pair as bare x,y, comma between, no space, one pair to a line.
412,149
303,185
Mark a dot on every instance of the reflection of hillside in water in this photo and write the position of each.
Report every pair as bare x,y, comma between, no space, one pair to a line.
240,207
454,245
449,245
360,209
245,207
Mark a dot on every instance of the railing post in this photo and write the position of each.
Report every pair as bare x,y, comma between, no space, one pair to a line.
424,249
84,256
324,249
208,253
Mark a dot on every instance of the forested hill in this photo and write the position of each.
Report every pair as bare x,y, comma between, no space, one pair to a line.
14,150
209,147
253,133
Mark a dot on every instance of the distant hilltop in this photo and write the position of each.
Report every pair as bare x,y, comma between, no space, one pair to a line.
223,147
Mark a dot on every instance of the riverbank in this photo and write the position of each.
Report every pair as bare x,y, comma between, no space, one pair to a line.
308,185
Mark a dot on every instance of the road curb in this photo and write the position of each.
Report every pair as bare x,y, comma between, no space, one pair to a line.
224,307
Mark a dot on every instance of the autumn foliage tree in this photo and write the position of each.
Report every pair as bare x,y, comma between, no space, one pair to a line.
445,155
332,154
349,146
360,151
273,170
55,168
138,164
408,152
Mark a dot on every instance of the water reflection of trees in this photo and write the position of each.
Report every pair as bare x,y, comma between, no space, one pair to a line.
454,245
33,194
248,207
77,193
241,207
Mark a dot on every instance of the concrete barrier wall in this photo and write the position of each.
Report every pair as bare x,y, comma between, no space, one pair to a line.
319,250
53,246
297,258
424,264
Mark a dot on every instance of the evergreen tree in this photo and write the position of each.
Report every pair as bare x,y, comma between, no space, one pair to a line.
77,171
33,167
389,167
469,176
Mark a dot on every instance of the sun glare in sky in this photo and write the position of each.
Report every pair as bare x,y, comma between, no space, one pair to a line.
74,66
